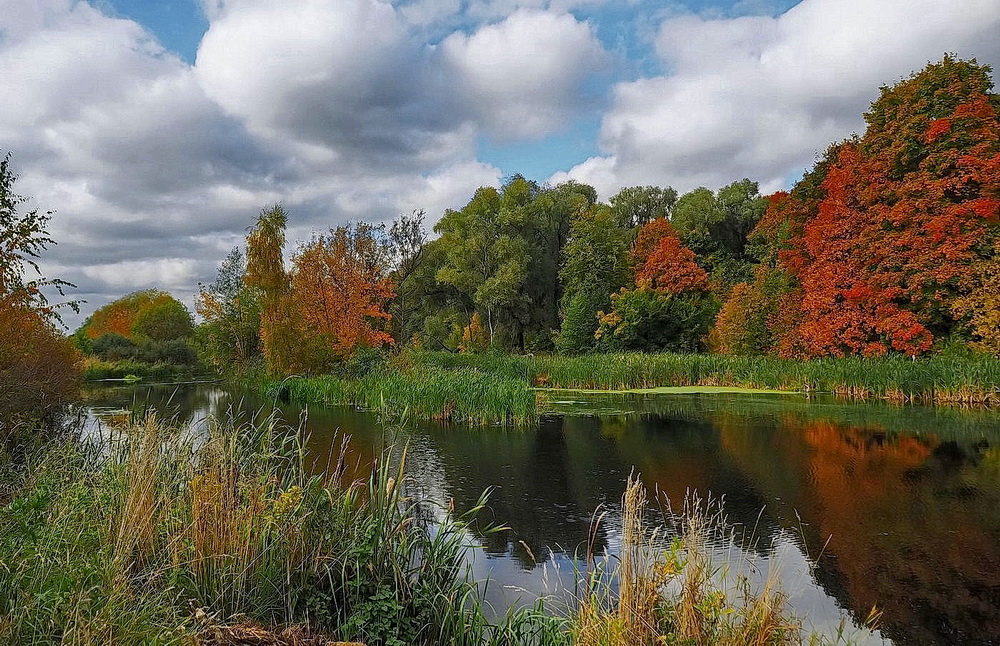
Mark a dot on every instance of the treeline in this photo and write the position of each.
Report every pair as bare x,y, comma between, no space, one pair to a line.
143,334
888,245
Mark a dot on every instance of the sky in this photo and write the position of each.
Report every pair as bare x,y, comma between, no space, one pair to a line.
157,129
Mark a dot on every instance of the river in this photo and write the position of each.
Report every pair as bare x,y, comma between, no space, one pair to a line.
858,505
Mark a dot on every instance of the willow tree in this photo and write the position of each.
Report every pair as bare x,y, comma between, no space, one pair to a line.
266,273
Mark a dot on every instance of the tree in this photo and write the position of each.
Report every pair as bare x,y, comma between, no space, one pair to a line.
547,228
670,307
408,251
39,367
595,265
166,321
340,287
904,218
980,306
665,265
635,206
716,226
150,313
280,329
229,336
486,257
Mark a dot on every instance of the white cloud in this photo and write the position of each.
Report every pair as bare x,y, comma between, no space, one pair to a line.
760,97
153,165
524,76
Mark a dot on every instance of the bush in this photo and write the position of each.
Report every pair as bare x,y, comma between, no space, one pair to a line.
39,369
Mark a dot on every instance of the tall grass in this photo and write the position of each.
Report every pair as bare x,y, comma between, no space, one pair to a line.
970,379
470,395
682,594
159,537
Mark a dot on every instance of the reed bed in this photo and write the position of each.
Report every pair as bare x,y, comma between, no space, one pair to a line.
470,396
154,536
683,593
967,380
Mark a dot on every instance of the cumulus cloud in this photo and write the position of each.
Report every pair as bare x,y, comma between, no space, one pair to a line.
362,109
760,96
155,167
523,76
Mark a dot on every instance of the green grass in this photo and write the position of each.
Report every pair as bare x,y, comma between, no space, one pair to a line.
497,388
971,379
467,395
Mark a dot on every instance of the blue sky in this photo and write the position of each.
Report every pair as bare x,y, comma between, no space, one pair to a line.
158,129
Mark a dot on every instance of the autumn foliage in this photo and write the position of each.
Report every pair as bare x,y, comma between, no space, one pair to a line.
331,302
39,367
886,242
340,286
663,264
669,308
125,316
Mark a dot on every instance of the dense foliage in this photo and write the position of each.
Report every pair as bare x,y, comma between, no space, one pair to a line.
887,245
38,365
146,327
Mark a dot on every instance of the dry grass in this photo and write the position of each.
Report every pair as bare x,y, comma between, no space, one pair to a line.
679,595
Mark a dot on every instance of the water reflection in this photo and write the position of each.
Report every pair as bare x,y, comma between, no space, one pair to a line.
899,507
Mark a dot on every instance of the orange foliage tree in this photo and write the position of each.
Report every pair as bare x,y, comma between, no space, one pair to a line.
340,286
39,368
121,316
880,240
663,264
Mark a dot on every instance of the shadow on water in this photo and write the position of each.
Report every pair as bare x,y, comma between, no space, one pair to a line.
862,504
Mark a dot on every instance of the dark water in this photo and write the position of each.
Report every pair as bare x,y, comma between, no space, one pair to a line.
857,505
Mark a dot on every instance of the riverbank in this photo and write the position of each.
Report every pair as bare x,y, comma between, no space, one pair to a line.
971,379
162,539
496,388
96,369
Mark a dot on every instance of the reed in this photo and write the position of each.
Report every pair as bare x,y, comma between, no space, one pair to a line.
942,379
470,396
681,595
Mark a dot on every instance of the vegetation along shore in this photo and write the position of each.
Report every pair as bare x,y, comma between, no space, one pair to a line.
875,277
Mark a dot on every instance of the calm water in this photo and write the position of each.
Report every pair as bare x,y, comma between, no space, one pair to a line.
860,505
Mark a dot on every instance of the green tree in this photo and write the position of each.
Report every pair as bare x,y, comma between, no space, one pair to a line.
229,335
595,265
646,320
407,247
166,321
547,228
716,226
486,257
635,206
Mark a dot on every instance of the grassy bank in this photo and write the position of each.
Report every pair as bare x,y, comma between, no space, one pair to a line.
496,388
161,538
469,395
96,369
973,379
